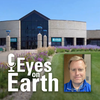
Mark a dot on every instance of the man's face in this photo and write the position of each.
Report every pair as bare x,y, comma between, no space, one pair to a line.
77,71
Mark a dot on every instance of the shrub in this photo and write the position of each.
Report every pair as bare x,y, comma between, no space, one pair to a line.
91,49
86,49
98,49
42,49
3,94
51,50
73,50
80,48
3,80
59,50
67,50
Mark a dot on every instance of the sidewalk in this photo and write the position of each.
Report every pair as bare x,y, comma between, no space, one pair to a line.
4,55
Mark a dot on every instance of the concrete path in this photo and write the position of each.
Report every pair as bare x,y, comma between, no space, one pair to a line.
4,55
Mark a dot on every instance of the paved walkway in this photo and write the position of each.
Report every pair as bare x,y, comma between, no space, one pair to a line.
4,55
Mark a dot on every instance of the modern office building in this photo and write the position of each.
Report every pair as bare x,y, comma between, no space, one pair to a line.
59,32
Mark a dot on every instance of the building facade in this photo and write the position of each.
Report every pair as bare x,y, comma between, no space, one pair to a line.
93,37
69,32
59,32
15,33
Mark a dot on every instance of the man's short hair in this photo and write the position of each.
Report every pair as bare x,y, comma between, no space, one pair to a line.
76,58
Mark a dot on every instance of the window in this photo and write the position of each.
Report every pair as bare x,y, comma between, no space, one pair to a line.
29,29
56,41
2,41
68,41
80,41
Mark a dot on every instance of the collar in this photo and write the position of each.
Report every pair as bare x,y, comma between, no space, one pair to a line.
77,89
70,87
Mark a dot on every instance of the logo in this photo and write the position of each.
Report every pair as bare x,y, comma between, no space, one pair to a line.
36,77
10,63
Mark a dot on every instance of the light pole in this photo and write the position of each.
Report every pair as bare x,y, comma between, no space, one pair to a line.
8,40
45,38
39,41
8,32
39,28
45,32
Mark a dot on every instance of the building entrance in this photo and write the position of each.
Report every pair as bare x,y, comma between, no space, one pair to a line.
30,25
31,44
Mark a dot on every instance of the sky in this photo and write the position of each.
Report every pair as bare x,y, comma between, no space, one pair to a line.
79,10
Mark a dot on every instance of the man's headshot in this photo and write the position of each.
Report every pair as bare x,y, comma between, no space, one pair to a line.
77,72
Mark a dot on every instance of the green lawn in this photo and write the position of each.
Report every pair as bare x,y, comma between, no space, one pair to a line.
57,71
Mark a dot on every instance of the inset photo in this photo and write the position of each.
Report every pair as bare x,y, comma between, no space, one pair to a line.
77,73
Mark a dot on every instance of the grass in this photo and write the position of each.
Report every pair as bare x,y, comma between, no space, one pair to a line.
57,72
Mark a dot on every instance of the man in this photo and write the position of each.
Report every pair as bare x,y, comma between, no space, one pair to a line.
77,83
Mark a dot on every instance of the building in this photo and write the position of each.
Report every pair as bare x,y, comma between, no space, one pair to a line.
59,32
93,37
68,32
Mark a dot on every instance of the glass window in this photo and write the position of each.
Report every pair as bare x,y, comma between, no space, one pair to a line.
29,30
94,42
80,41
68,41
2,41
